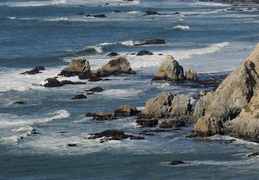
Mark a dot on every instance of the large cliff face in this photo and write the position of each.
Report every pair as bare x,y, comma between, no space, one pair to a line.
230,97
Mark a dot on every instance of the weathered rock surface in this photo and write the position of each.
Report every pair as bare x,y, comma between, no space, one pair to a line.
247,124
35,70
109,135
166,105
126,110
114,67
103,116
170,70
77,67
191,75
230,97
173,123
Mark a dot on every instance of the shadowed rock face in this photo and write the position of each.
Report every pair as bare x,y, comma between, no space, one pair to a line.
230,97
170,70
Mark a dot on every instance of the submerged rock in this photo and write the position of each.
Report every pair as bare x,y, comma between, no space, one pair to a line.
144,52
155,41
109,135
80,96
226,102
176,162
126,110
170,70
149,12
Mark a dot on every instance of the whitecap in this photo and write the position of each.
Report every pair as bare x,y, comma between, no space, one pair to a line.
181,27
34,3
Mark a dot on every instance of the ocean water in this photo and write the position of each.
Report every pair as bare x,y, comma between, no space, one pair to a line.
210,37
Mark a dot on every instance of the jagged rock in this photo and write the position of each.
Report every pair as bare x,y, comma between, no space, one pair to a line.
170,70
230,97
116,66
77,67
126,110
144,52
166,105
155,41
147,122
35,70
80,96
108,135
52,82
191,75
96,89
246,125
103,116
176,162
173,123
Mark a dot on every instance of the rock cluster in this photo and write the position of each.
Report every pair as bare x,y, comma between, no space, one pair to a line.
171,70
35,70
226,102
81,68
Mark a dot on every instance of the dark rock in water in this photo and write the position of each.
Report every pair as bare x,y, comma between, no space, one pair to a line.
126,110
117,11
108,135
113,54
173,123
97,16
94,79
152,13
19,102
253,154
90,114
80,96
35,70
53,82
147,122
96,89
71,82
155,41
71,145
144,52
103,116
136,138
176,162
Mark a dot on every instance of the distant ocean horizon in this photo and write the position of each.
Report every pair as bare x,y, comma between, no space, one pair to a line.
212,38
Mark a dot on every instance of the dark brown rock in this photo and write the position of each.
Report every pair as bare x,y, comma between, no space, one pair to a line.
96,89
152,13
19,102
147,122
173,123
113,54
144,52
176,162
103,116
155,41
80,96
71,82
35,70
52,82
253,154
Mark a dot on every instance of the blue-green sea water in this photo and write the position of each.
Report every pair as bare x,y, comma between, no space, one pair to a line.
208,37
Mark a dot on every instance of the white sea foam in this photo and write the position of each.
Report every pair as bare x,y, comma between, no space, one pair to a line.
33,3
10,18
181,27
57,19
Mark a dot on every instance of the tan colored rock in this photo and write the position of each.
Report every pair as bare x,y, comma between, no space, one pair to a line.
226,102
166,105
126,110
247,124
170,70
77,67
191,75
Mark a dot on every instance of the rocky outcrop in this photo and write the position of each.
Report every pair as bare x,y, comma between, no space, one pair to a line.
176,162
247,124
109,135
166,105
35,70
103,116
227,101
191,75
114,67
53,82
173,123
144,52
170,70
80,96
77,67
126,110
147,122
